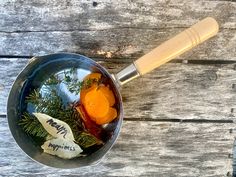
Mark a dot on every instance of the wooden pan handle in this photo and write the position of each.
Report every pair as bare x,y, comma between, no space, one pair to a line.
177,45
170,49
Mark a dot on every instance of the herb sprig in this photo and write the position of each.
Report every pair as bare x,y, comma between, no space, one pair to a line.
74,85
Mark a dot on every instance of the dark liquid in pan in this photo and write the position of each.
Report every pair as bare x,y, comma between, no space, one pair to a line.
68,97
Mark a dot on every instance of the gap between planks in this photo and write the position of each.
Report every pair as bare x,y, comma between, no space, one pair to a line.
130,59
4,116
106,29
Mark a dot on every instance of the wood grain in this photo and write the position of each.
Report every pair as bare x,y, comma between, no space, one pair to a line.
143,149
178,118
174,91
181,91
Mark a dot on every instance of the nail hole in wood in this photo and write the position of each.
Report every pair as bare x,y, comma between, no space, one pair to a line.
233,86
95,4
228,174
113,35
232,110
231,130
185,61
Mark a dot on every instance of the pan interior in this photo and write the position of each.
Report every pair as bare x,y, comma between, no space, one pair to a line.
33,77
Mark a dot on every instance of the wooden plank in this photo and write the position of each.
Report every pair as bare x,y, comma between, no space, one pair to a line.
174,91
9,69
143,149
109,28
113,43
180,91
43,15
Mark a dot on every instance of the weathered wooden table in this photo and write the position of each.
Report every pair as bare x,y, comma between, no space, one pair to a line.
179,119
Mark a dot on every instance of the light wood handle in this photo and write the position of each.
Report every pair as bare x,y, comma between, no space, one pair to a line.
177,45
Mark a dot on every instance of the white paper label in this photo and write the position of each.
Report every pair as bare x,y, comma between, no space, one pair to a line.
62,148
55,127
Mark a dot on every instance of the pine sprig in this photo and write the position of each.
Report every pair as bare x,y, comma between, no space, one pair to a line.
52,105
85,140
32,126
34,97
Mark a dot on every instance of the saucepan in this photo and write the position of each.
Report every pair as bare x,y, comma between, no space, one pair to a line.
41,66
